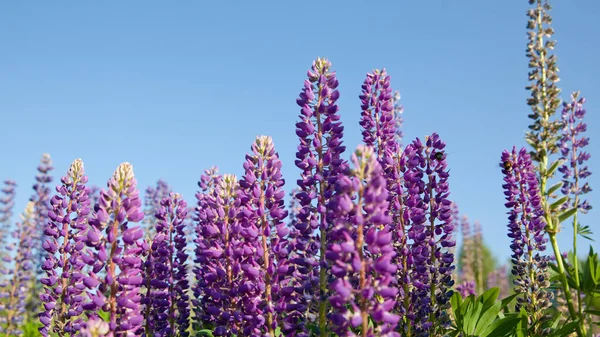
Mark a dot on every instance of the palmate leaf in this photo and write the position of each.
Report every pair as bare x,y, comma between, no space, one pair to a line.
584,231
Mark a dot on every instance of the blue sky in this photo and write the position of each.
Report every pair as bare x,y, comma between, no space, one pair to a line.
175,88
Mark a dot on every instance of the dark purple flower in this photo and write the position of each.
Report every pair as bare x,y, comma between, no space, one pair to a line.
361,253
166,299
319,158
430,229
526,230
65,234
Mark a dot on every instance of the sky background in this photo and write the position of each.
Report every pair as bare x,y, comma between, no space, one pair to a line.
177,87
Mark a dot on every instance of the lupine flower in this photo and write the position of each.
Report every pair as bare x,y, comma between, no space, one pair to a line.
118,292
152,199
167,298
319,157
263,244
526,229
41,198
217,268
65,235
361,254
467,286
379,130
19,275
478,252
498,278
431,228
571,147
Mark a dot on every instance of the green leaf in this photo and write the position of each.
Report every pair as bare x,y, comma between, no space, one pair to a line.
566,214
502,327
205,332
553,167
593,312
559,202
506,301
487,317
565,330
472,316
555,187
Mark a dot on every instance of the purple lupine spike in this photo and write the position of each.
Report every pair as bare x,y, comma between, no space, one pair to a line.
379,130
167,306
152,203
571,147
41,198
319,157
478,254
361,254
431,228
19,275
466,288
526,229
217,268
63,264
118,253
264,234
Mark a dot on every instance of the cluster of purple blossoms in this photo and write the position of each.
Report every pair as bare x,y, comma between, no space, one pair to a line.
7,202
429,215
360,252
17,278
380,131
466,286
166,300
64,244
571,145
216,268
118,253
152,202
319,158
41,198
263,248
526,229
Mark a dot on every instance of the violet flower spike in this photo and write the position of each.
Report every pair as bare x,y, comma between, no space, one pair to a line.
65,235
169,312
264,237
431,229
319,157
119,205
217,264
152,199
526,229
361,253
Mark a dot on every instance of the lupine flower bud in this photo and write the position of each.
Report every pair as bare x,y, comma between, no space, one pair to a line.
431,227
361,254
319,157
167,298
526,229
65,234
119,291
19,275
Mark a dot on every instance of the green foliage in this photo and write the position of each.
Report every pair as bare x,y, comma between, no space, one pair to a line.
482,316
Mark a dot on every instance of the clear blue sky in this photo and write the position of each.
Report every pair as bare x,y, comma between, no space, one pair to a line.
176,87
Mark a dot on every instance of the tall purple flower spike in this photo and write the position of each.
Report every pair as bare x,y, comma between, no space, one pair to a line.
361,254
65,235
41,198
152,199
264,237
319,157
379,130
430,228
118,253
6,213
167,299
217,263
571,148
19,275
526,230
